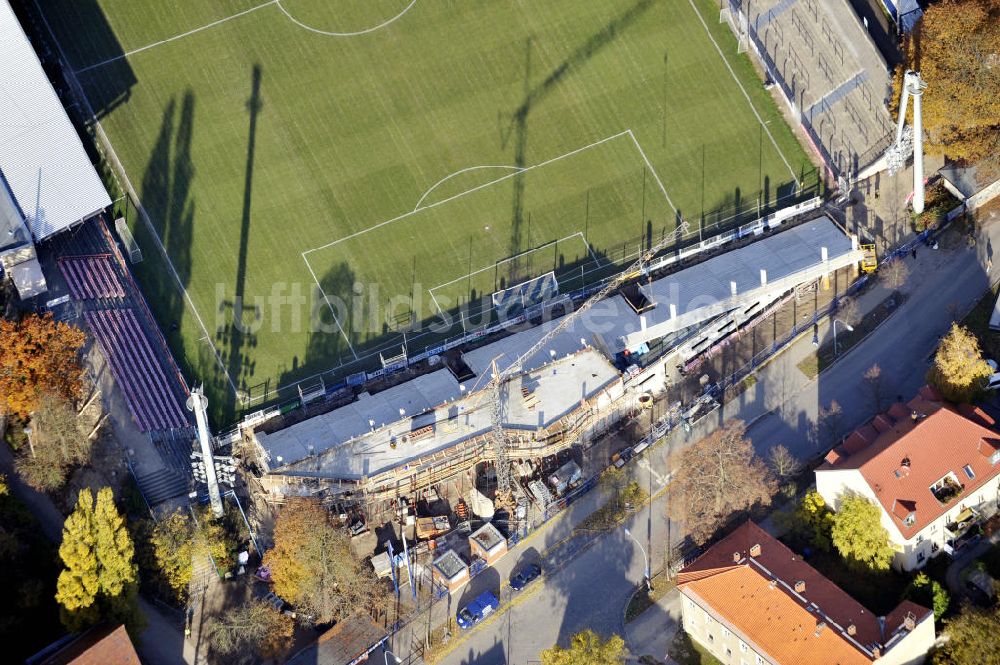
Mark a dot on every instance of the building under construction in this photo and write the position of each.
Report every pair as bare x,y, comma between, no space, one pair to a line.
587,375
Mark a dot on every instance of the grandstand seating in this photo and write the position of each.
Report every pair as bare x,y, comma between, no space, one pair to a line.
137,369
91,277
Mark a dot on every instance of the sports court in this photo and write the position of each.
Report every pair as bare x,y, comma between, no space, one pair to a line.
407,153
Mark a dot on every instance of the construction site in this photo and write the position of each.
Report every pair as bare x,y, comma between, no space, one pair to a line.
510,431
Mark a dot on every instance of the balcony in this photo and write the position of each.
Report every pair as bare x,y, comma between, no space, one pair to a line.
947,490
964,530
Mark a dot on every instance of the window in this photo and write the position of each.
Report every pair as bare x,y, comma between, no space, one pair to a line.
933,528
743,646
910,519
920,557
711,638
920,539
725,633
760,660
729,653
969,472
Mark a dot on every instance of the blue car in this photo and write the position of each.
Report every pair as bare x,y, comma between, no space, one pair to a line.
525,577
484,605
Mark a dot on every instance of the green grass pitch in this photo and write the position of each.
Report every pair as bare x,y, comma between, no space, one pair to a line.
271,156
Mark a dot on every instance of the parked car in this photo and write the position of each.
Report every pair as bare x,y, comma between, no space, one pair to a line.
481,607
525,577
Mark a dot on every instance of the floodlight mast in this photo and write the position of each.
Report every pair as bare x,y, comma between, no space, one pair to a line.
198,403
498,382
910,140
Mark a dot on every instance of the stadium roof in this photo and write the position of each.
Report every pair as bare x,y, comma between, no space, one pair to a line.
42,160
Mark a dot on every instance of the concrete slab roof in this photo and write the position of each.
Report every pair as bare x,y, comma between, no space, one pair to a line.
342,443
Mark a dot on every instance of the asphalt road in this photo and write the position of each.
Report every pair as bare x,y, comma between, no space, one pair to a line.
591,591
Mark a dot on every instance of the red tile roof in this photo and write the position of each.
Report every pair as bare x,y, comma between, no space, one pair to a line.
756,597
906,460
102,645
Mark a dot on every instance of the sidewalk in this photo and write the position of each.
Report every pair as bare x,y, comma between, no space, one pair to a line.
652,631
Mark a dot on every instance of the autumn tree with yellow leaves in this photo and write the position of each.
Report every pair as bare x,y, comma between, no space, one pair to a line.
99,578
38,356
956,47
959,371
313,567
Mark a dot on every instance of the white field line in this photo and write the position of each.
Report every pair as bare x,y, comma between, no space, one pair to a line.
743,90
649,165
466,192
344,34
461,171
436,304
578,234
326,299
105,143
180,36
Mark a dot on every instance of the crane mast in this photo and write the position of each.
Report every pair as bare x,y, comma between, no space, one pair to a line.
499,380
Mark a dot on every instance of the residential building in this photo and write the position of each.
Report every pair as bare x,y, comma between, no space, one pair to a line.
750,600
932,467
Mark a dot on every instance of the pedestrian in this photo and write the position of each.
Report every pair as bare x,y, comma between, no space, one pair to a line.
914,253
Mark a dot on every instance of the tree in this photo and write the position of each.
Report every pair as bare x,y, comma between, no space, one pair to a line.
831,420
313,567
956,51
587,648
99,579
782,462
813,521
56,444
959,371
973,637
894,274
849,311
37,356
874,380
929,593
252,631
859,536
717,478
177,541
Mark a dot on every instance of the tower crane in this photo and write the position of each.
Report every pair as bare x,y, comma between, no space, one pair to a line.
500,378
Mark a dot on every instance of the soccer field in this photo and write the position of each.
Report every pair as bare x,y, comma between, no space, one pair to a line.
333,172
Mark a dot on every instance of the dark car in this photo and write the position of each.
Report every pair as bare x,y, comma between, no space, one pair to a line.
524,578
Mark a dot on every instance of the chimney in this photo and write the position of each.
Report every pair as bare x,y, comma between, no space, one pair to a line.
910,622
800,586
736,557
755,550
852,630
819,628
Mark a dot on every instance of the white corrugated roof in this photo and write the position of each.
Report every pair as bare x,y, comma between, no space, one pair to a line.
41,157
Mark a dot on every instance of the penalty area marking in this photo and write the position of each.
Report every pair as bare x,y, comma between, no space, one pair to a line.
625,132
336,320
578,234
448,177
356,33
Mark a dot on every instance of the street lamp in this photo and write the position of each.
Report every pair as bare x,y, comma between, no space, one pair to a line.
849,328
649,580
